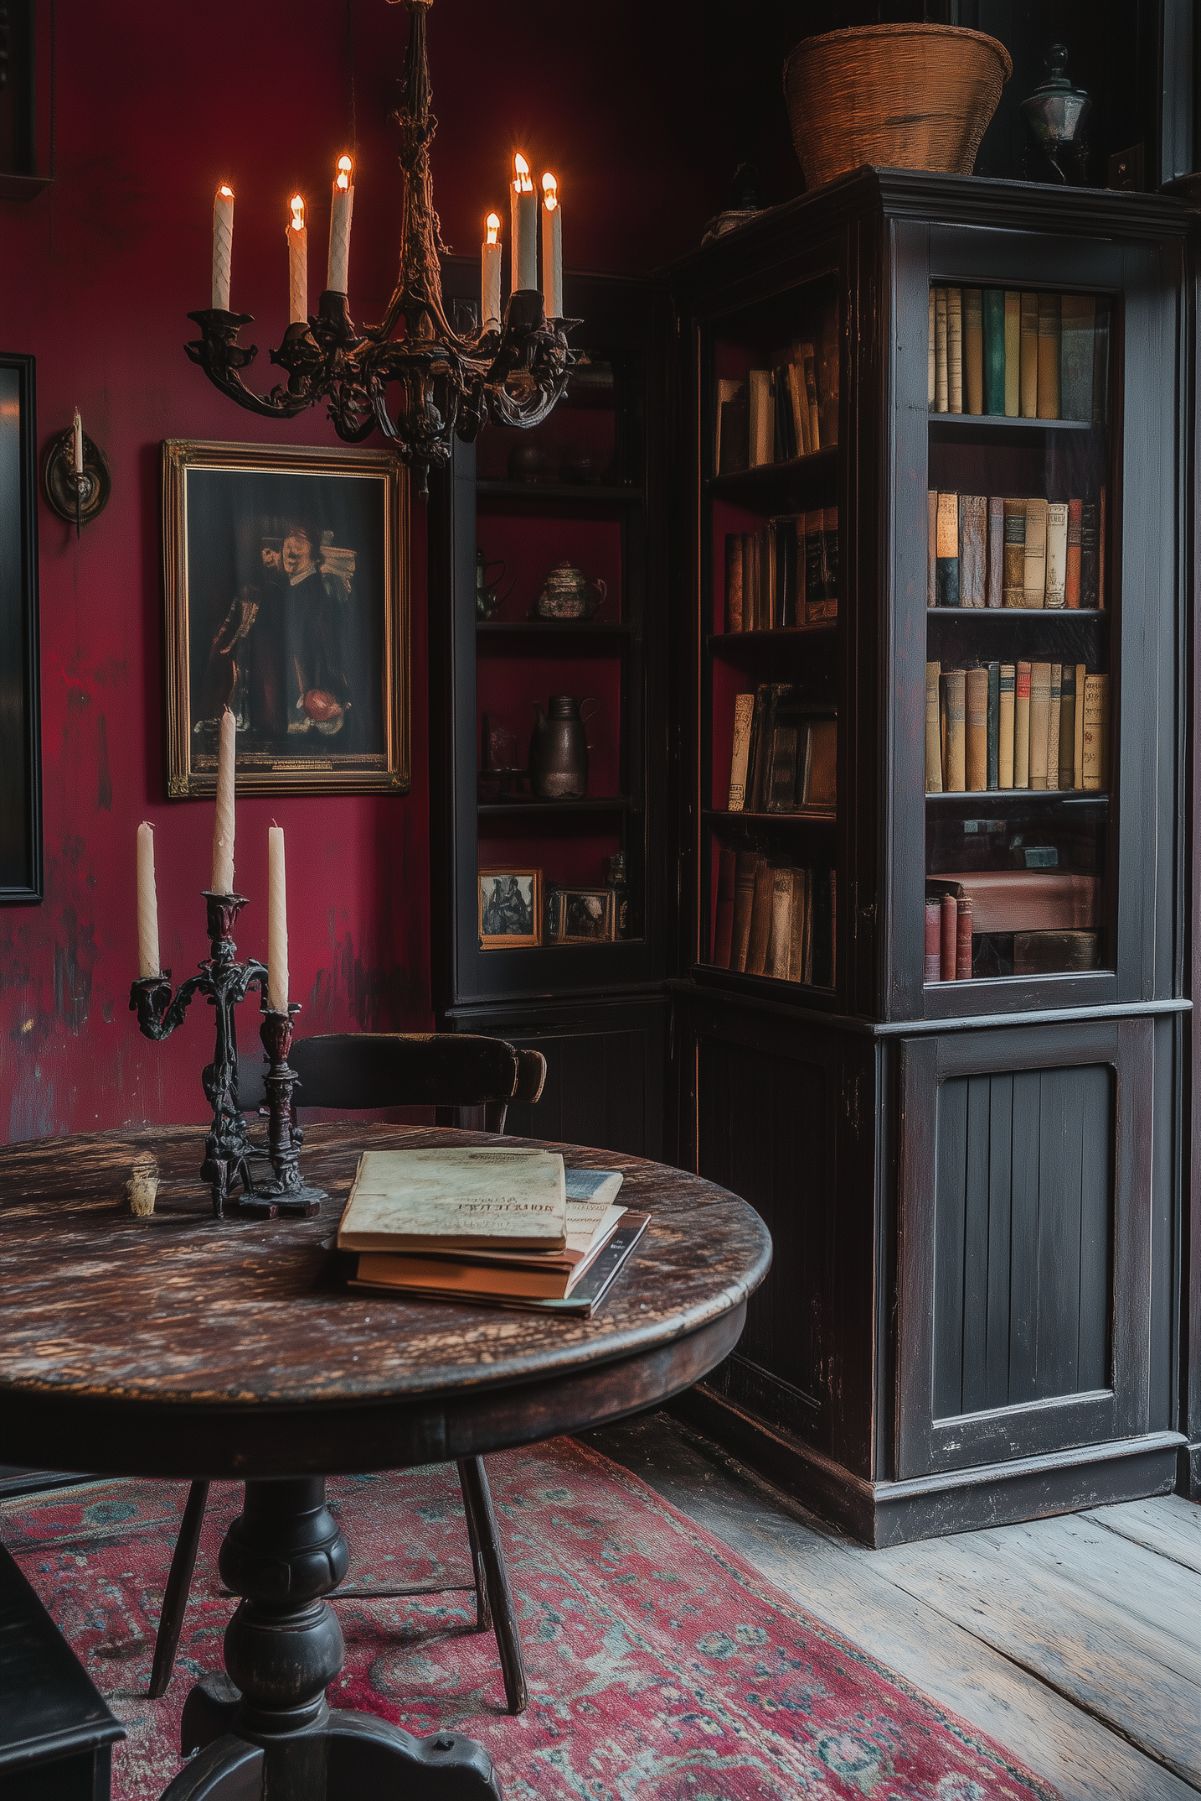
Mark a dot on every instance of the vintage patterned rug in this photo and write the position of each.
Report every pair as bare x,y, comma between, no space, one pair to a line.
662,1668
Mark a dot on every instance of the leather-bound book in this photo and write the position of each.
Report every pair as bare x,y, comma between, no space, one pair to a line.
1013,568
1028,374
1040,706
994,586
933,730
830,564
1096,733
941,376
933,947
994,350
746,862
1035,570
802,889
794,377
947,938
761,908
1067,727
954,684
1049,953
954,350
812,399
1021,727
740,751
963,939
993,672
1089,553
1054,710
932,364
732,426
1071,577
1078,728
1013,353
946,576
1048,356
1057,554
973,549
1077,321
815,564
782,769
973,350
734,560
1026,900
762,417
931,546
783,908
723,912
1006,684
976,690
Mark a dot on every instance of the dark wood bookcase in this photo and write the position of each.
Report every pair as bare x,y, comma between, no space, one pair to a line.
587,487
974,1182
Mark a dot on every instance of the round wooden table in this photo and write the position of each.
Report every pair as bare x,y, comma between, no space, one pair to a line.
183,1346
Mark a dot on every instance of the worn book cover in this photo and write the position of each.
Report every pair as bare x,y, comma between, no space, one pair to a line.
941,378
1067,727
1028,374
954,350
1057,553
762,417
746,863
1014,564
930,375
946,578
1035,569
976,707
1040,706
994,351
461,1196
933,731
994,724
783,908
932,971
1077,318
1021,727
973,350
1048,356
955,759
820,788
734,559
593,1215
1096,733
1006,685
973,549
1089,554
994,587
1053,724
761,910
1071,578
740,750
1013,353
723,913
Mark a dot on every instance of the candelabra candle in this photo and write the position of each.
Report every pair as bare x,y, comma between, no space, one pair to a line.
298,263
224,982
223,245
552,248
490,261
524,220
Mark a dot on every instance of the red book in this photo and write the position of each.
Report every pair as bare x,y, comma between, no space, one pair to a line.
723,928
933,940
1071,586
963,940
949,921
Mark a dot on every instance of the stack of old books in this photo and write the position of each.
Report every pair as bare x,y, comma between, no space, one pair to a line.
495,1226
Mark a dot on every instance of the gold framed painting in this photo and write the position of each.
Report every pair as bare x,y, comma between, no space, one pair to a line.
509,908
285,575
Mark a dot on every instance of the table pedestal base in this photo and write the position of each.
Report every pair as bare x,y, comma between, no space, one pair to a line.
268,1730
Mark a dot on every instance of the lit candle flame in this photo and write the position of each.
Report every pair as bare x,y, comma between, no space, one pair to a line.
297,205
492,226
225,191
345,166
521,170
550,192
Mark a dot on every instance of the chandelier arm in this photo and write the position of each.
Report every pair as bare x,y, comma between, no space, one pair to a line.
222,358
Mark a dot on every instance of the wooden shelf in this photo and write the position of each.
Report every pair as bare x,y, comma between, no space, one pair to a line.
997,423
741,979
767,482
555,630
807,816
588,495
1098,613
543,809
774,636
1019,797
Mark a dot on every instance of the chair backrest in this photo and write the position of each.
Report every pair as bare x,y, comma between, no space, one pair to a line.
449,1071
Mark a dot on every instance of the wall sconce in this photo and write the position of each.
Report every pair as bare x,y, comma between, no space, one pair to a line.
75,476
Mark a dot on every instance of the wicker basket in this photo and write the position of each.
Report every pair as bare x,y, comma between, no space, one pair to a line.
898,96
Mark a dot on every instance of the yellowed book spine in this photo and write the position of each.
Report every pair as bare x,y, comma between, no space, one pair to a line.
1040,706
1028,360
931,379
1078,728
931,546
1005,726
954,350
933,730
940,350
976,707
973,351
954,688
1053,712
1057,553
1096,733
1035,566
1013,353
1048,356
1021,727
740,750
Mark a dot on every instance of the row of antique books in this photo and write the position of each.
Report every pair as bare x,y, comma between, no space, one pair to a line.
775,414
773,919
992,550
1016,725
782,759
784,574
1010,922
1017,355
498,1227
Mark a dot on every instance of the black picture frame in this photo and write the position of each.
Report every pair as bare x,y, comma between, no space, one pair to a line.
20,711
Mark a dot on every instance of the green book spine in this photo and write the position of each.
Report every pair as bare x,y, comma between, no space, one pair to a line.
994,350
994,723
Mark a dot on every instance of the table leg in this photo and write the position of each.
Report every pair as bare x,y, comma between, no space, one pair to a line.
266,1727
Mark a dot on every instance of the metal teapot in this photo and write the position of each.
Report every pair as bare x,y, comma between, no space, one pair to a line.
559,749
568,594
488,577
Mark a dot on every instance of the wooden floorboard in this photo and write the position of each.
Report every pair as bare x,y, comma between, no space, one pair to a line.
1120,1725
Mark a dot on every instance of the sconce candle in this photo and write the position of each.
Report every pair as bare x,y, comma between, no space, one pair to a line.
223,245
148,951
277,922
490,258
77,443
524,207
552,248
298,263
337,277
223,827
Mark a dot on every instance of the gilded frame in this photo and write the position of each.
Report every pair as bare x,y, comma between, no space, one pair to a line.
191,768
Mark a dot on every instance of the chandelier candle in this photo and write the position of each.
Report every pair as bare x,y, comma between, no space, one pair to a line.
223,826
277,922
524,206
552,248
148,951
298,263
223,245
490,261
337,277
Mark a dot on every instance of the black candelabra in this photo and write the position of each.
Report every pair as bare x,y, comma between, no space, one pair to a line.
228,1152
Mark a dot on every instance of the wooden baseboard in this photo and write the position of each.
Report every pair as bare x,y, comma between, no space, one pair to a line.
893,1513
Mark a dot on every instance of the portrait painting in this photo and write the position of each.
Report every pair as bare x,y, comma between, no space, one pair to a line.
510,908
584,915
286,602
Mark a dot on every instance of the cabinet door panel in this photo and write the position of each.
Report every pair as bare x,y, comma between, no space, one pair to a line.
1025,1212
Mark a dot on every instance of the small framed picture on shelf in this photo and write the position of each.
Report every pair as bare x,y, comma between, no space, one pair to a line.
583,916
510,908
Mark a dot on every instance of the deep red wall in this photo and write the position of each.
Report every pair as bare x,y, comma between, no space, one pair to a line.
154,106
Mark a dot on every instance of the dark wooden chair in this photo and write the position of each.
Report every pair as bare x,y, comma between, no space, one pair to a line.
454,1073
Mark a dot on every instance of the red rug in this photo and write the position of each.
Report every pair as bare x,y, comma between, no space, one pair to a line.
662,1668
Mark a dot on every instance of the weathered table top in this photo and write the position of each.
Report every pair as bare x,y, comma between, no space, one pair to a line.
183,1345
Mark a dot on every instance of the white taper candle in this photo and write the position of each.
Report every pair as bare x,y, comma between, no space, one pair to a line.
223,826
277,922
552,248
223,245
77,443
148,951
490,260
298,263
524,212
337,274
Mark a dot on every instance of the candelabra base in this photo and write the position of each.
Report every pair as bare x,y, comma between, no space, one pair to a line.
285,1191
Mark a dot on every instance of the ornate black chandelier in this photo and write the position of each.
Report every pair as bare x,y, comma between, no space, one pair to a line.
416,377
